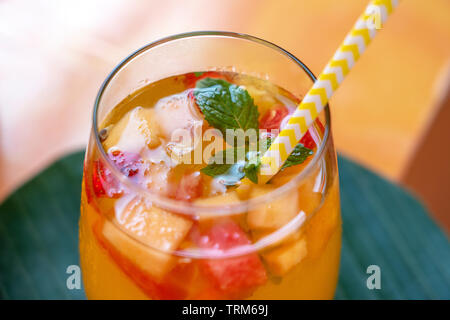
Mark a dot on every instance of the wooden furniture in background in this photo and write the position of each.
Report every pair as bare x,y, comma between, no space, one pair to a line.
428,172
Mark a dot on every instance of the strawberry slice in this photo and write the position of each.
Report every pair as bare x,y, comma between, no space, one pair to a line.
271,120
87,187
237,275
191,79
103,182
190,187
308,141
128,163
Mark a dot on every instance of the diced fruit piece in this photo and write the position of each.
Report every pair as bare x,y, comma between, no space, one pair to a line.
151,261
156,179
158,233
191,79
103,182
133,132
130,261
244,189
183,278
273,117
236,275
222,200
148,126
323,223
223,236
309,198
273,214
284,258
99,177
87,187
262,92
190,187
128,163
308,141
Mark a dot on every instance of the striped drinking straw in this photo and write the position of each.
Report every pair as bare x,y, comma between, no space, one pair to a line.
355,43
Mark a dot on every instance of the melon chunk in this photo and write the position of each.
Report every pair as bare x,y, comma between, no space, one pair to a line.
244,190
273,214
135,131
284,258
157,178
223,199
325,221
157,233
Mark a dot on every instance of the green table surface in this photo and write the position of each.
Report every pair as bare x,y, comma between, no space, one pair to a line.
383,225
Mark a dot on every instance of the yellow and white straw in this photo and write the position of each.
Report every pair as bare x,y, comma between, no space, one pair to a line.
355,43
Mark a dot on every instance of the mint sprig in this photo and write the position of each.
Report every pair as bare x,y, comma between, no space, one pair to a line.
227,164
227,106
297,156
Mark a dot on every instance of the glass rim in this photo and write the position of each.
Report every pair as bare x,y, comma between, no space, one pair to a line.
183,207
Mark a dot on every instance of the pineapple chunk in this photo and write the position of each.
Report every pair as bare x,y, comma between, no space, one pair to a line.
136,130
244,189
273,214
158,233
221,200
324,223
284,258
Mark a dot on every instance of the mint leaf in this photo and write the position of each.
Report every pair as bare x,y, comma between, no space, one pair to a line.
251,168
215,169
298,156
227,165
225,105
228,174
228,156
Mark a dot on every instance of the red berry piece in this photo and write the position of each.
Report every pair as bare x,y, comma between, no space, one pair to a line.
271,120
103,181
190,187
308,141
234,275
128,163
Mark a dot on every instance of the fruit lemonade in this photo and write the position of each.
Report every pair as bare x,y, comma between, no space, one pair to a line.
230,237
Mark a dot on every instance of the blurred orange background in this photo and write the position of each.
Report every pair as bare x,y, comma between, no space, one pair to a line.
391,114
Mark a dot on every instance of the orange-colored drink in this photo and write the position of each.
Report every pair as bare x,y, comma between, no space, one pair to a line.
163,217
